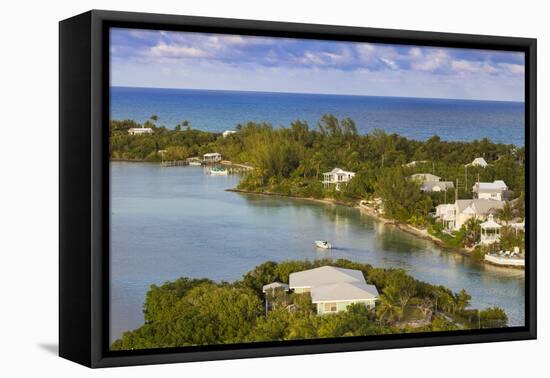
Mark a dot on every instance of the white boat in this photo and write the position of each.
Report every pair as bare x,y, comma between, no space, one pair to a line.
195,163
323,244
218,171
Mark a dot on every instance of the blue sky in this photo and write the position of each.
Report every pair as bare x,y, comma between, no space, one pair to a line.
162,59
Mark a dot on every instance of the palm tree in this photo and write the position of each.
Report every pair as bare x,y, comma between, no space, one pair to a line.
473,231
506,214
389,308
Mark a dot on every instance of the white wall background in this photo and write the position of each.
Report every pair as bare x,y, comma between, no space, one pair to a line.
29,189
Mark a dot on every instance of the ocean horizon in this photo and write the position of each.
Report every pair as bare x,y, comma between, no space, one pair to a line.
413,117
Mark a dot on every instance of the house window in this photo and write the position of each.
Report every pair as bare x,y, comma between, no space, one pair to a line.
330,307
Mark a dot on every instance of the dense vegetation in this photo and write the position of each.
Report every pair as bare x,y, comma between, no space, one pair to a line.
291,161
200,312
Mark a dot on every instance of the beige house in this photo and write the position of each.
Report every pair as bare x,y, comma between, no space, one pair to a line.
333,289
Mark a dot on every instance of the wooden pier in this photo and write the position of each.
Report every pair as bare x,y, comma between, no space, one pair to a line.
173,163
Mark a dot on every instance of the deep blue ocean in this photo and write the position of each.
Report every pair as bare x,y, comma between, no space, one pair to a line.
415,118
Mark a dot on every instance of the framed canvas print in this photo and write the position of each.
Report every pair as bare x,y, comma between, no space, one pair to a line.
233,188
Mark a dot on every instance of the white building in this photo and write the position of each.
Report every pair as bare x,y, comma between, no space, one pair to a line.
274,286
446,213
226,133
212,157
437,186
495,190
479,162
337,177
425,177
474,208
333,289
453,216
490,231
414,163
140,130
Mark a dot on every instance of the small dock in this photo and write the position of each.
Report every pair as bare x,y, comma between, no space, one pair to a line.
229,165
235,167
173,163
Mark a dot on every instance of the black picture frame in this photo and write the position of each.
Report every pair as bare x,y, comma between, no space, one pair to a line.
84,187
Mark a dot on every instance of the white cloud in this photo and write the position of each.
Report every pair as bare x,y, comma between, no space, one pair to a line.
390,63
163,50
429,62
517,69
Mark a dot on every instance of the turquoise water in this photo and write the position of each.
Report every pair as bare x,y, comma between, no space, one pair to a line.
415,118
178,221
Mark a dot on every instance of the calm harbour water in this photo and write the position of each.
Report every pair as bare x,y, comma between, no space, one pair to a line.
415,118
178,221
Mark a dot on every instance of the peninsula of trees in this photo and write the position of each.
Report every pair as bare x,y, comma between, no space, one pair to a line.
189,312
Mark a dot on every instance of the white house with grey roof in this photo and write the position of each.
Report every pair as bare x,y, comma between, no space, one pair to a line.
437,186
479,208
425,177
333,289
453,216
337,177
496,190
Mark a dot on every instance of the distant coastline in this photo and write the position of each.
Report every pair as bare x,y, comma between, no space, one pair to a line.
416,118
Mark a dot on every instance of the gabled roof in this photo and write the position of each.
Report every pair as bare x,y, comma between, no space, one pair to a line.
325,275
479,206
336,171
425,177
490,223
496,186
430,185
274,285
344,291
479,161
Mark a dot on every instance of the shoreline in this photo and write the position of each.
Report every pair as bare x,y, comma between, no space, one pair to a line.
422,234
411,230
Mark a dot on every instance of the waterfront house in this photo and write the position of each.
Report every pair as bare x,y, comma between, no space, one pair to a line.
333,289
479,162
226,133
446,213
140,130
478,208
490,231
425,177
337,177
496,190
437,186
212,157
